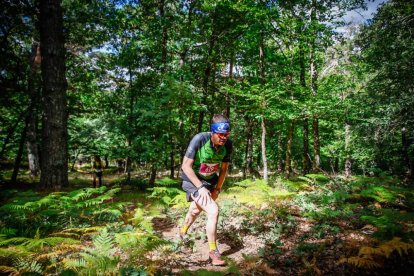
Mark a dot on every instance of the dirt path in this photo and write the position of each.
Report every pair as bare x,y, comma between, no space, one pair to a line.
194,257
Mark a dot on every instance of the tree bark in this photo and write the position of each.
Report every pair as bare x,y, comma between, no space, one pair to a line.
32,118
18,160
348,163
280,163
408,162
305,154
314,88
288,167
206,78
153,175
264,159
54,166
306,161
164,40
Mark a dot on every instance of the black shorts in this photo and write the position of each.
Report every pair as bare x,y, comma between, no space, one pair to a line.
191,189
98,174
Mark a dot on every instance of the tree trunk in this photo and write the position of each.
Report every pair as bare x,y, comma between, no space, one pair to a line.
348,164
54,166
31,118
306,161
264,159
164,40
230,78
280,163
316,146
314,88
305,154
18,157
206,78
288,168
172,163
408,161
153,176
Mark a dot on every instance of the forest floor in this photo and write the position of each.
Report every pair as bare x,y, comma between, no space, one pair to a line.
312,225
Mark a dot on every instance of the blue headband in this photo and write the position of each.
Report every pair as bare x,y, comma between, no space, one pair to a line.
222,127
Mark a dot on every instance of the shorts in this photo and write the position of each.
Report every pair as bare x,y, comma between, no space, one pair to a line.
98,174
191,189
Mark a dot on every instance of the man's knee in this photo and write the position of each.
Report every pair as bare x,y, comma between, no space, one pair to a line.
195,212
213,212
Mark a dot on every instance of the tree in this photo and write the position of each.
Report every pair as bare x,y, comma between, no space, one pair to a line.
54,164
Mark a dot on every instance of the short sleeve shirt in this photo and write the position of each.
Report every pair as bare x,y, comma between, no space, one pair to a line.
206,158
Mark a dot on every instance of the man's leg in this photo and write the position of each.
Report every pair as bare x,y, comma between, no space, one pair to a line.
191,216
100,180
212,212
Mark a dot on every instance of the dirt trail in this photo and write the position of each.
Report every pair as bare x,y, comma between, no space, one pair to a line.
195,256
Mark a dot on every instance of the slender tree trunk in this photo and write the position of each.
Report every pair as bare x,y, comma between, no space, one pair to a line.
18,160
408,162
305,154
263,123
288,167
314,88
54,166
128,160
264,159
348,163
280,163
306,162
172,163
32,118
206,78
153,175
230,78
161,7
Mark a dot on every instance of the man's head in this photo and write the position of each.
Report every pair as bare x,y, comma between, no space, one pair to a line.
220,128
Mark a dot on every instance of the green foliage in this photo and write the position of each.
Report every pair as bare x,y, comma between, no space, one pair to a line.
389,222
61,209
99,259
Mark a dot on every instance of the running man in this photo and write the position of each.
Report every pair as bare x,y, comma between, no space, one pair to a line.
207,154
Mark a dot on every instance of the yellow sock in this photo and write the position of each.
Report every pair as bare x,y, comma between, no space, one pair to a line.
184,229
212,245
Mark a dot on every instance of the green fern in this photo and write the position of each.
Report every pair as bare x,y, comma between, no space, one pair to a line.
99,259
12,252
37,242
26,265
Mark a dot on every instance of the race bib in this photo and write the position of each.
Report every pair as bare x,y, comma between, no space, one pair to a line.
208,169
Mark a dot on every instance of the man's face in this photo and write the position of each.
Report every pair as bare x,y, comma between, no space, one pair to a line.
219,139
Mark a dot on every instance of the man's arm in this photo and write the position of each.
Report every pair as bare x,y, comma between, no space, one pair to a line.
222,176
204,194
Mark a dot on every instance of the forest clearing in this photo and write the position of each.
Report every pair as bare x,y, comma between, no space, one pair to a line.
206,137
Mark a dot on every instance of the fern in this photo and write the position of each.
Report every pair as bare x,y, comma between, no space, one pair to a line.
99,259
24,265
362,262
365,258
14,252
37,242
11,271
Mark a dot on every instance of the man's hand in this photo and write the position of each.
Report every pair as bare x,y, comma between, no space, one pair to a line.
214,194
204,196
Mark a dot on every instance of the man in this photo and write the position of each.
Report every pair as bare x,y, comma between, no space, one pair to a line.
97,167
207,154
